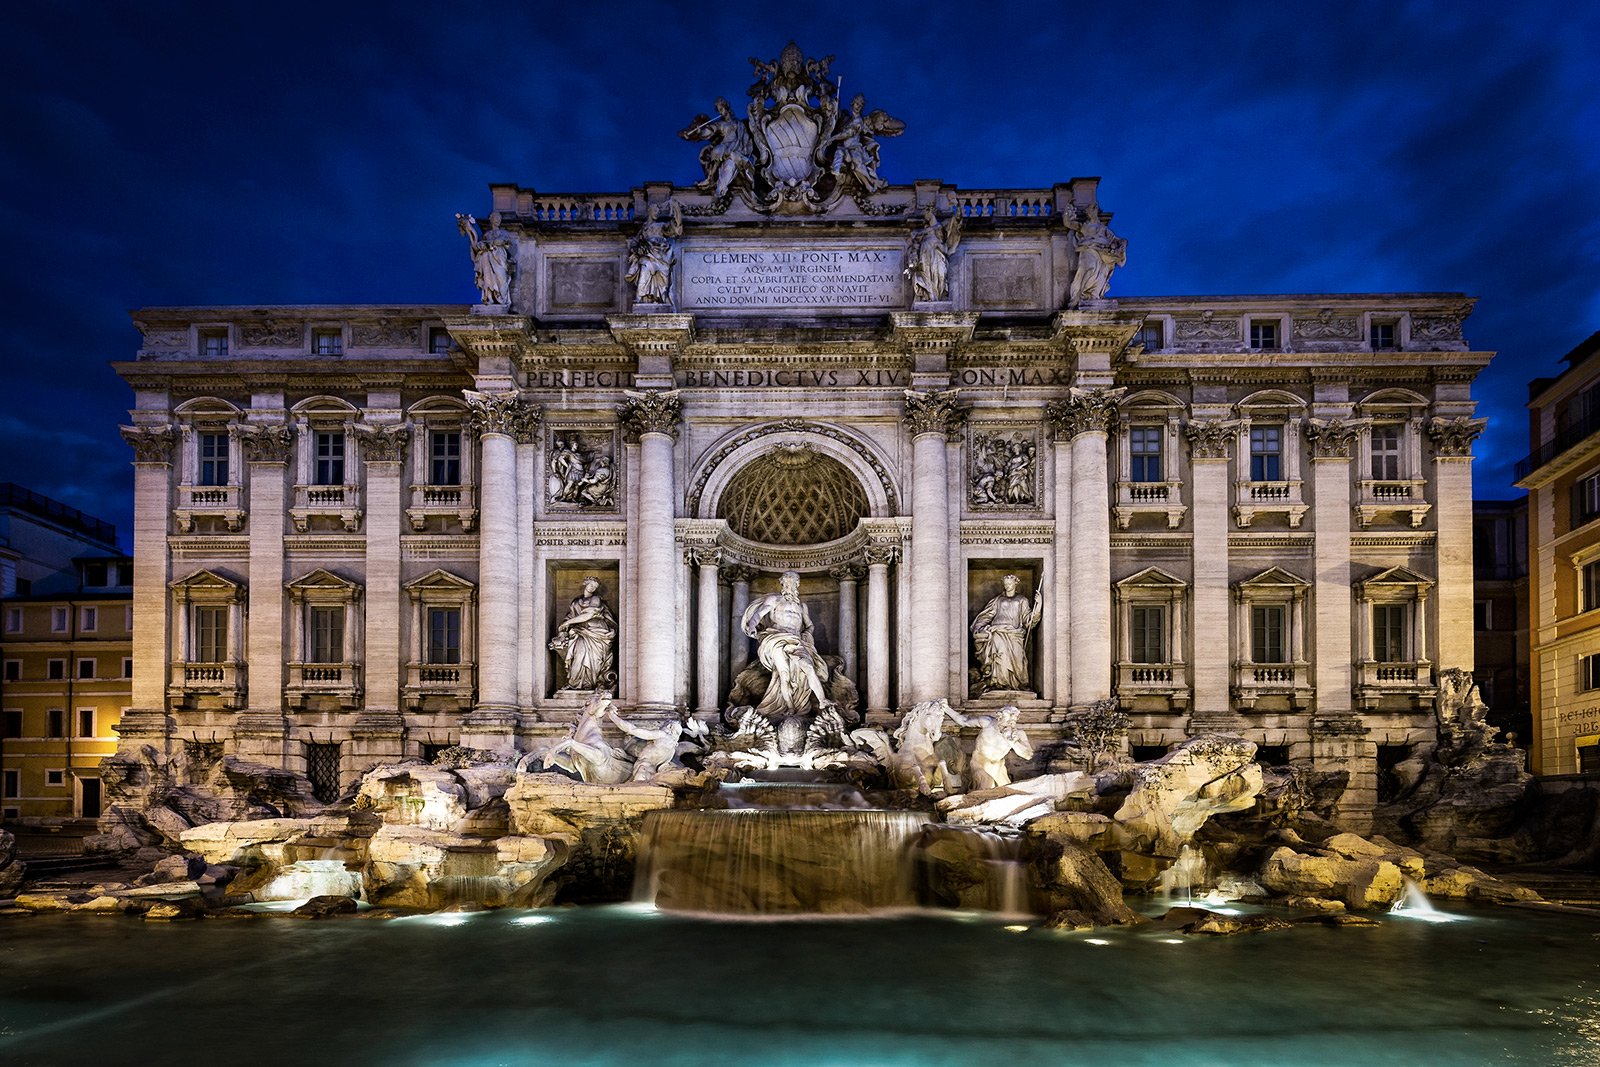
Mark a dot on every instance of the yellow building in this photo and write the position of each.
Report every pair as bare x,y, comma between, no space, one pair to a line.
1562,476
66,655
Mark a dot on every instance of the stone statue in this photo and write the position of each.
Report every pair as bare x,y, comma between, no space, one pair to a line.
491,258
928,255
916,762
585,751
1099,252
781,625
731,153
586,639
998,737
663,743
1000,637
652,253
854,145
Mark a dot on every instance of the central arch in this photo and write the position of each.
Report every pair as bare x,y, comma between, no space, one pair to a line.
726,461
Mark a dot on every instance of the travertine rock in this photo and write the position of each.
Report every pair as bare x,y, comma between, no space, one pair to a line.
602,822
1363,884
1172,797
413,867
12,869
1068,877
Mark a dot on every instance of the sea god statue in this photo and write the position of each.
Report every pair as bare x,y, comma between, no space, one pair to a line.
782,626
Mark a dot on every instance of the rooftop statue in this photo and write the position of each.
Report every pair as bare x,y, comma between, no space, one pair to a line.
928,254
653,252
1099,252
491,258
793,153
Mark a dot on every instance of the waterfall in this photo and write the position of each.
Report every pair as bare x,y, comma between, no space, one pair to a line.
1187,873
1416,905
753,861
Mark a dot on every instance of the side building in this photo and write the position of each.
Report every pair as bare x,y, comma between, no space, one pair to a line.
66,657
1500,614
1562,477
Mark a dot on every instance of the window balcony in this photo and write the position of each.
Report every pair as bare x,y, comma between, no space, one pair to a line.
341,502
1377,680
1136,498
342,680
1257,498
225,680
458,502
1391,497
1252,681
453,681
1168,681
225,502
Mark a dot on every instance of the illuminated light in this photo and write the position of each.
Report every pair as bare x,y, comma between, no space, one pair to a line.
450,918
1096,941
533,920
1017,929
1172,940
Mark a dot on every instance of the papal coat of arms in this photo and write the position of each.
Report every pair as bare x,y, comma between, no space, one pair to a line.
795,151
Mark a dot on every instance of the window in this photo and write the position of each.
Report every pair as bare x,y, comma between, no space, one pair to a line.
444,457
1266,633
59,618
1384,338
214,343
1263,334
1266,453
94,575
213,457
13,670
322,767
55,723
127,667
327,343
1589,672
55,669
85,722
330,458
444,635
1151,336
1144,447
1586,499
1483,615
13,620
86,667
88,619
1389,633
209,640
56,778
438,340
1588,759
11,723
1589,586
1149,634
10,786
326,635
1386,453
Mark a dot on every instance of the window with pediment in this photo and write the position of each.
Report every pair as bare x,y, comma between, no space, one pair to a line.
207,652
1151,669
1392,656
210,493
1389,478
327,490
1267,476
324,638
441,661
1270,640
443,466
1148,481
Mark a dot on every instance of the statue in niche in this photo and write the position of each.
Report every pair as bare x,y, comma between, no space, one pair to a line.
928,255
664,745
731,153
855,146
653,252
586,640
1002,471
782,628
579,475
1099,252
491,258
1000,638
585,752
998,737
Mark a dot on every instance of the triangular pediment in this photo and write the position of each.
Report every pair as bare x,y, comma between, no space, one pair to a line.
206,579
1397,576
1275,577
321,579
439,578
1152,578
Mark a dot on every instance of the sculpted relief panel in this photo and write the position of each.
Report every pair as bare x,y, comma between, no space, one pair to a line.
1002,468
581,469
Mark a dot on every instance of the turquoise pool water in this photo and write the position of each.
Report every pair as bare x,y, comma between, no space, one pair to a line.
627,985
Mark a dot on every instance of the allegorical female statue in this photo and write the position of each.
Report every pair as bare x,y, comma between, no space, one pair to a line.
928,255
586,640
491,258
1099,252
1000,637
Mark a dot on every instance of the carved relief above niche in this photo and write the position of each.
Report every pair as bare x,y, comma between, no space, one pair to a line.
1002,467
581,469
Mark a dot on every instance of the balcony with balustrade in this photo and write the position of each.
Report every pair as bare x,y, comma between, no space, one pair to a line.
433,682
453,502
188,682
1139,685
339,681
1254,681
1401,497
1252,498
222,502
1379,683
341,503
1139,498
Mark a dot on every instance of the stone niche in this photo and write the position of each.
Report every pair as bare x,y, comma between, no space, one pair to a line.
564,581
984,583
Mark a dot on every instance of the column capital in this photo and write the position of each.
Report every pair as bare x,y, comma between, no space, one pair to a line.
936,411
266,442
382,442
150,444
848,572
504,413
1083,411
1210,438
734,573
1332,438
650,411
703,556
880,555
1452,438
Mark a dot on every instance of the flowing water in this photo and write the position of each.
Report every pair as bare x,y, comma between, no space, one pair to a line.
633,985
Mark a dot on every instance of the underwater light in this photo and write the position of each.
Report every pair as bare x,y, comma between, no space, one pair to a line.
1096,941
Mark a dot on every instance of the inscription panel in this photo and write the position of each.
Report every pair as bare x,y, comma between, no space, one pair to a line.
809,277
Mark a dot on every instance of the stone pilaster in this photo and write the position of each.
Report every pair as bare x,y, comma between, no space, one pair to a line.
1332,442
263,733
146,722
878,558
1342,743
1452,486
1086,417
531,664
738,577
931,418
848,575
1061,592
1209,441
708,631
378,732
652,419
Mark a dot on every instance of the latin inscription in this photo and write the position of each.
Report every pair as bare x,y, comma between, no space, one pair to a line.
811,278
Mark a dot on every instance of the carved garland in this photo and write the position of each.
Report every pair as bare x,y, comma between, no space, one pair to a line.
150,444
789,426
1454,437
933,412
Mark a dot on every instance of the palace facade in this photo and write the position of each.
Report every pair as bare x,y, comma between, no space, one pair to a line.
359,529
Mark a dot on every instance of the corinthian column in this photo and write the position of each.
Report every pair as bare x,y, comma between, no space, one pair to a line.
1213,650
652,418
738,577
1331,443
878,560
1452,510
848,574
383,447
499,418
931,418
146,721
1086,417
708,635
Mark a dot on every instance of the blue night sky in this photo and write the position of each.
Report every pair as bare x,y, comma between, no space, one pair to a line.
226,153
